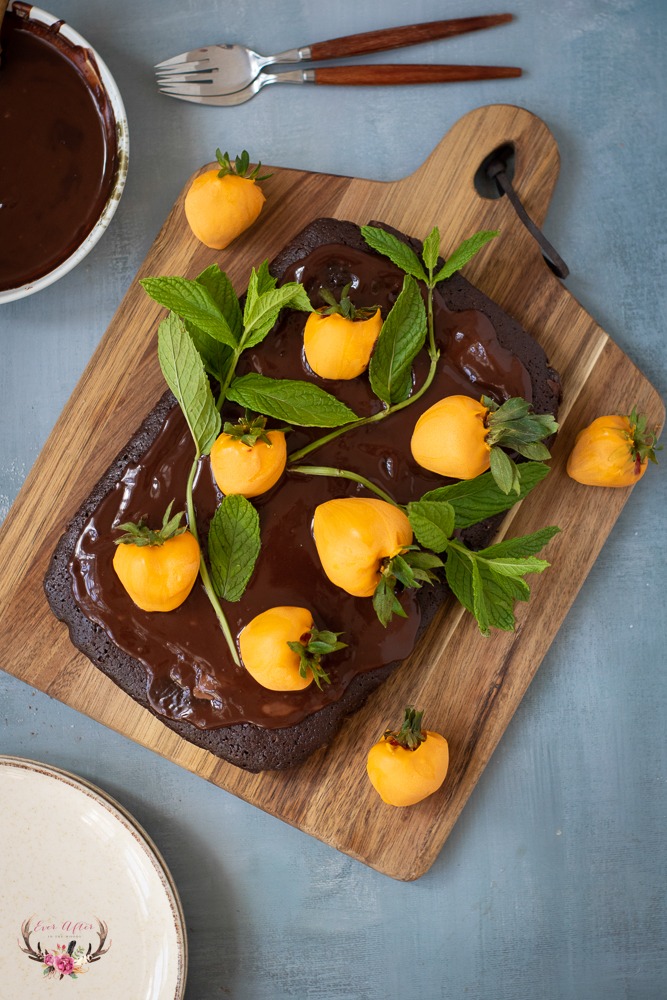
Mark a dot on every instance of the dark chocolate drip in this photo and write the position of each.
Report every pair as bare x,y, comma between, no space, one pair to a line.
190,674
58,143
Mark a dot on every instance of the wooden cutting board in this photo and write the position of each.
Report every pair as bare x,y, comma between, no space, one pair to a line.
468,685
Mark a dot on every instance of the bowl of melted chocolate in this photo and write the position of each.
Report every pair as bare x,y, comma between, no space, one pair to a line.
64,143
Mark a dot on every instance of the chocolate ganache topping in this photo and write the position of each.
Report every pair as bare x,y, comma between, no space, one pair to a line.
58,157
189,672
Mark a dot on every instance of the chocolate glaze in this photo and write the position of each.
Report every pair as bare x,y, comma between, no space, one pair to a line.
58,142
190,675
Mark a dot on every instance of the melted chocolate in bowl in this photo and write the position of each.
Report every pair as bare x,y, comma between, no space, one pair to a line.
189,673
59,158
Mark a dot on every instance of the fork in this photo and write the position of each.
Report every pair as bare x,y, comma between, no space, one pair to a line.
345,75
227,69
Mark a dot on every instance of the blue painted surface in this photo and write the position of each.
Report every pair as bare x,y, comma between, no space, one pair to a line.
553,881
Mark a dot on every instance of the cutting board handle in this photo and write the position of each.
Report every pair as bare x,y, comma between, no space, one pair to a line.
445,181
495,175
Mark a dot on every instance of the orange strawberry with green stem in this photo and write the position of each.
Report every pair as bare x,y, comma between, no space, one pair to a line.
365,548
339,338
460,437
246,458
157,568
613,450
283,650
409,764
222,203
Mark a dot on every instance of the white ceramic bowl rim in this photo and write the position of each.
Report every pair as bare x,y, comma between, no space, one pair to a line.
123,152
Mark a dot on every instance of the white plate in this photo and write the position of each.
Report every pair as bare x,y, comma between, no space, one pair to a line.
86,901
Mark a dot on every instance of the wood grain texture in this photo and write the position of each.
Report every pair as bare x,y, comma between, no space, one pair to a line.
469,686
401,73
409,34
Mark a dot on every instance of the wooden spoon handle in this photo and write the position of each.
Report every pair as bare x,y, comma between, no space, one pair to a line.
409,73
396,38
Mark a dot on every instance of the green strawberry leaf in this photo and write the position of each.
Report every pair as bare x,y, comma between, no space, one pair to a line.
385,602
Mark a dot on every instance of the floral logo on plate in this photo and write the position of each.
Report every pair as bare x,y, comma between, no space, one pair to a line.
64,957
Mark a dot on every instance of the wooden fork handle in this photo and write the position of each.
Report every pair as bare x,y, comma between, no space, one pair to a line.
409,73
396,38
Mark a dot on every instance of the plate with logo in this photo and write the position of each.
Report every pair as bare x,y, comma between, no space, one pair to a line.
86,896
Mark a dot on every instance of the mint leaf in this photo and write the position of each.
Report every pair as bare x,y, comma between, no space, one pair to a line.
184,373
265,280
222,292
519,548
476,499
233,546
192,301
432,523
431,249
458,573
401,338
295,402
262,308
215,355
396,250
489,582
464,252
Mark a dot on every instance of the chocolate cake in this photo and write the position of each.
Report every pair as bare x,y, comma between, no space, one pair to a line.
177,664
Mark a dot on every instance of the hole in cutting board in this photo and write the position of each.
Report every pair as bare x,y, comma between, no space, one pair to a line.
484,180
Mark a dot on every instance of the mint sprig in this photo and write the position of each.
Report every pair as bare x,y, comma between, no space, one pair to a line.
233,546
403,335
489,582
406,258
486,582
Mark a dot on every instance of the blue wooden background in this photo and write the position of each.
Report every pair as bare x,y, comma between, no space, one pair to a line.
552,884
